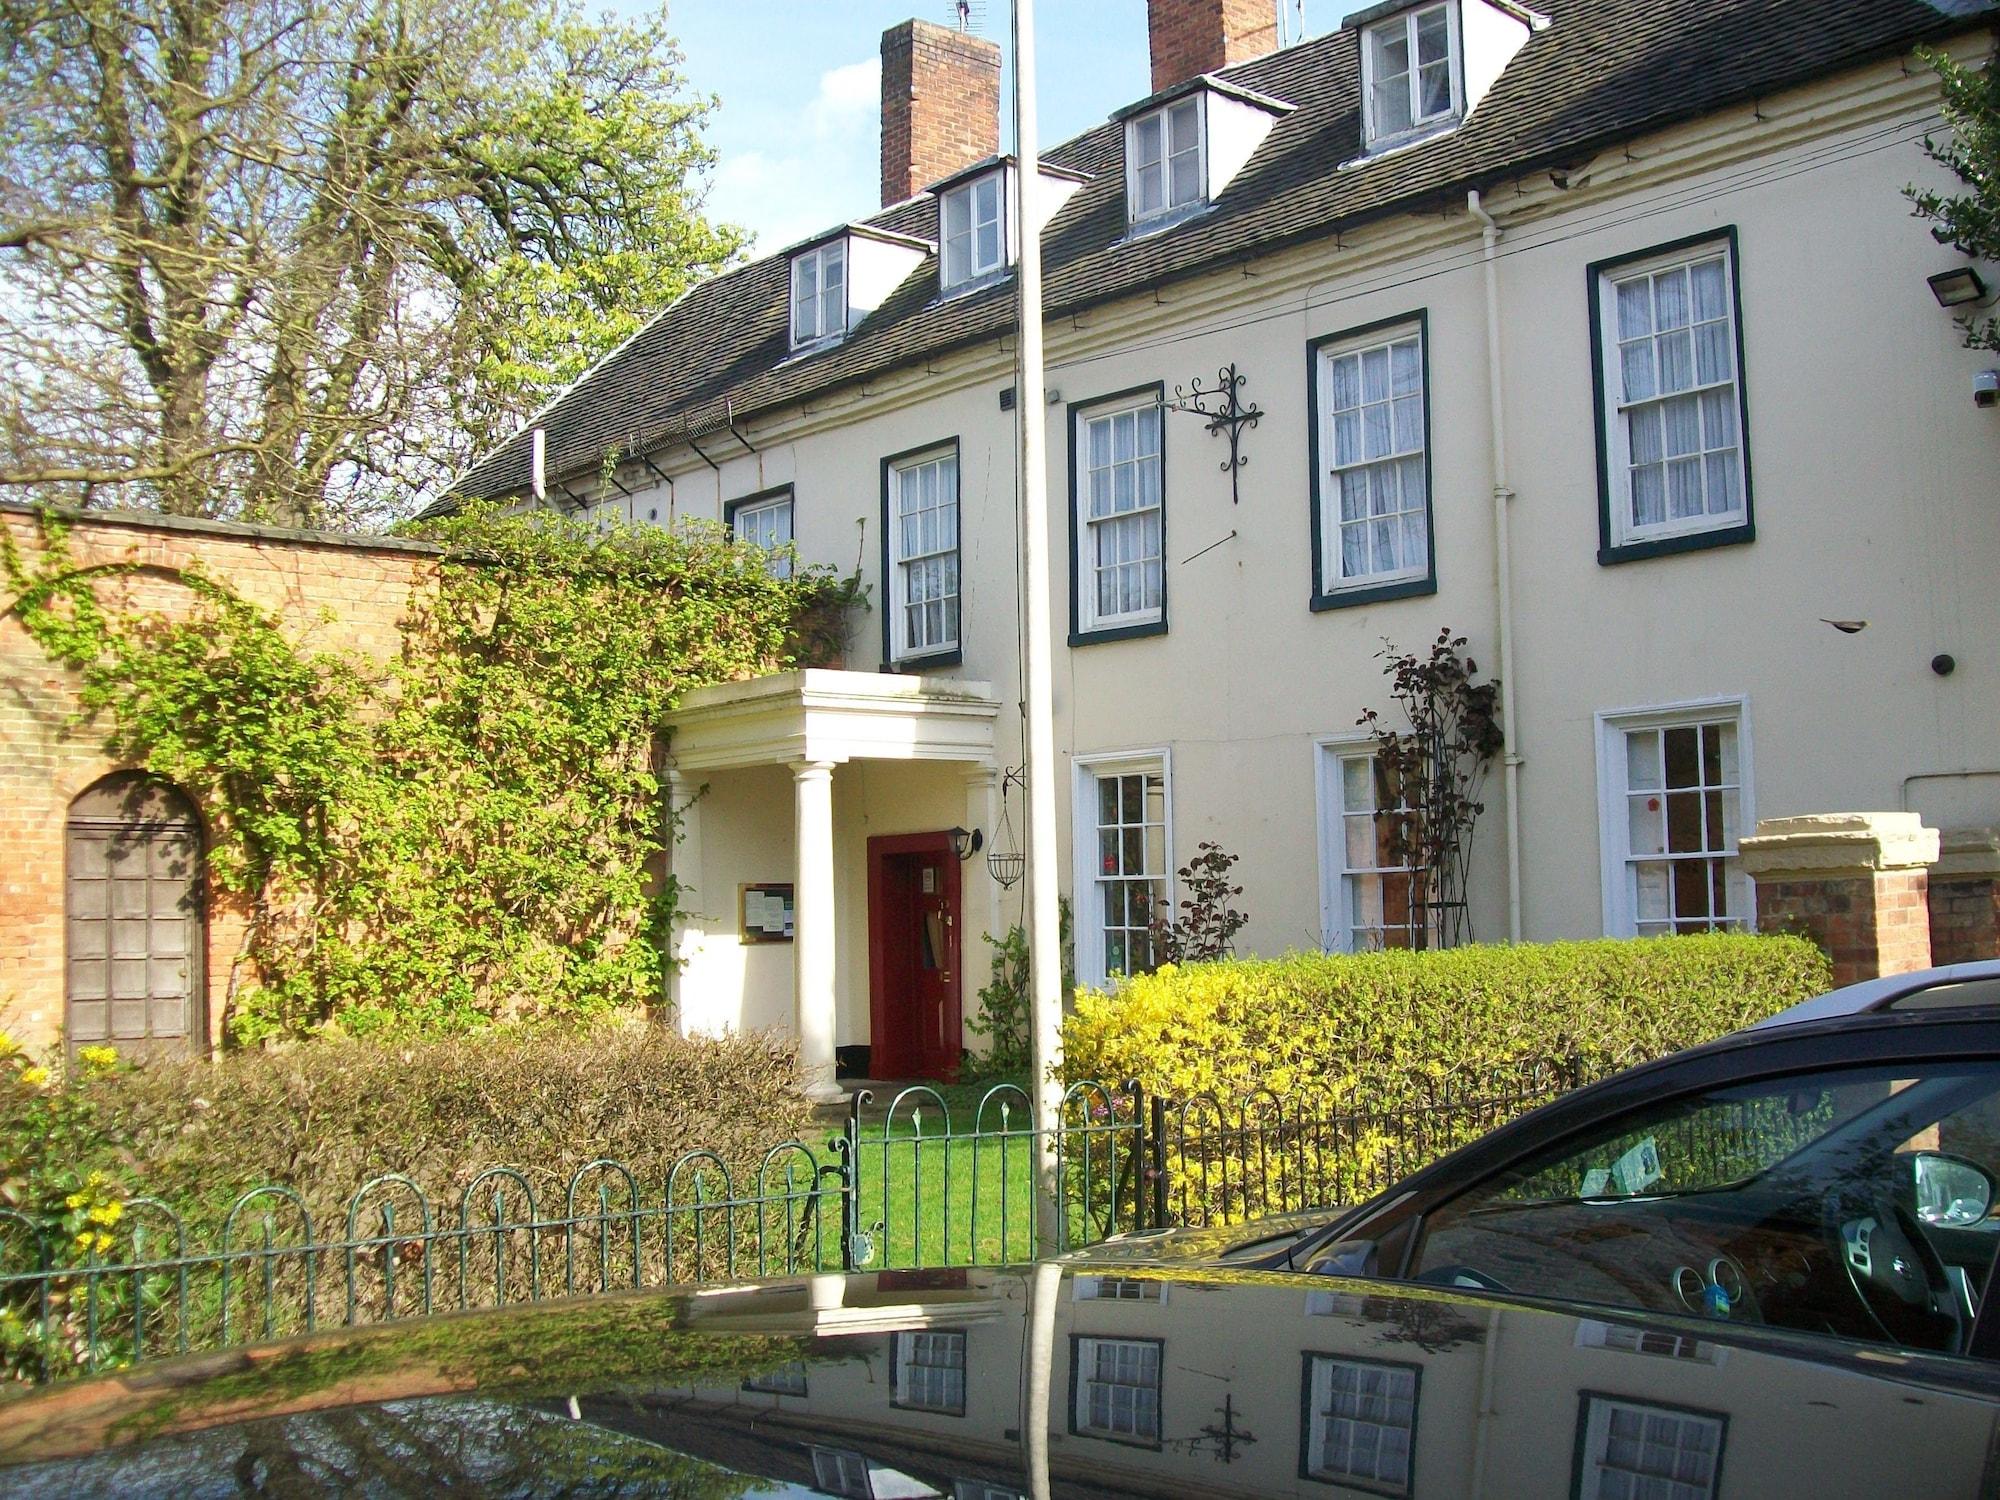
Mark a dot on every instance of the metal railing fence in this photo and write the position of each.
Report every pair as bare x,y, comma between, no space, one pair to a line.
912,1187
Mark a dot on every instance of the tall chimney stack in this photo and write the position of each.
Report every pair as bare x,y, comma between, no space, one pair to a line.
940,105
1192,37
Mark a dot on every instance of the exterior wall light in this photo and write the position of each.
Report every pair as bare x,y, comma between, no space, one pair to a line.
965,845
1958,288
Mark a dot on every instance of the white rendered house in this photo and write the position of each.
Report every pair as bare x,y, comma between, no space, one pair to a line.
1599,332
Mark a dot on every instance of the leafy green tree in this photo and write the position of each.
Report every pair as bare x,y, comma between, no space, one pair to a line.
297,260
1969,221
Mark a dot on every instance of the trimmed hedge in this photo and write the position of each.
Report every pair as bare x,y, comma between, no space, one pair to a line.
1394,1026
325,1117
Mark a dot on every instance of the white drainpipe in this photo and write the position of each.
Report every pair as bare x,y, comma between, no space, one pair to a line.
1502,566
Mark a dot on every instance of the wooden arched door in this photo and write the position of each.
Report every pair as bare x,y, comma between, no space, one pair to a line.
134,899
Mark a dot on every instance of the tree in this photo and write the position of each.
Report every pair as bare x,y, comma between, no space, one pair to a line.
297,260
1967,221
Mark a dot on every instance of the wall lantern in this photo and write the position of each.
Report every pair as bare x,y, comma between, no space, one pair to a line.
965,845
1958,288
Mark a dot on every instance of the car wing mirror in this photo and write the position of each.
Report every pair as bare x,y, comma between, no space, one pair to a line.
1952,1193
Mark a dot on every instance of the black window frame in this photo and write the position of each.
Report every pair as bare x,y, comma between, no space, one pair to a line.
1347,597
1611,552
1078,636
923,661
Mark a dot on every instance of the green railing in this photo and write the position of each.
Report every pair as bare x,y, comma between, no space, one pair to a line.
912,1188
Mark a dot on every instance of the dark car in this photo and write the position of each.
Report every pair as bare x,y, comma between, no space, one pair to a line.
1758,1268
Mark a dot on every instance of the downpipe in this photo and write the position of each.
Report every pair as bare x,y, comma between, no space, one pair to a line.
1503,569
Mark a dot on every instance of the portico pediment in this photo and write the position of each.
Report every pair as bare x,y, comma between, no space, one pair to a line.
815,714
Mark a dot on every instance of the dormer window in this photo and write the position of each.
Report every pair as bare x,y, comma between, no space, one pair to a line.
819,294
974,225
1412,73
1184,146
1163,153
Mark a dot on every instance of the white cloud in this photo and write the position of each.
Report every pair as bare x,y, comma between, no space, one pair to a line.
788,177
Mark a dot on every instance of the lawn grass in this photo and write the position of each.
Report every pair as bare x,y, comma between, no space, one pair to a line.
946,1177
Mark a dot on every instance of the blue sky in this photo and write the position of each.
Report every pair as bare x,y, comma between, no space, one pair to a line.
801,90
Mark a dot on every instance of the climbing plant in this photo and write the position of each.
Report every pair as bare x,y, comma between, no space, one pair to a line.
1432,776
469,833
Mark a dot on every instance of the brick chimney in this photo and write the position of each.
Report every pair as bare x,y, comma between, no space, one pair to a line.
1191,37
940,105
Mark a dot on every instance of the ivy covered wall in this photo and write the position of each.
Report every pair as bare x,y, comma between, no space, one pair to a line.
428,771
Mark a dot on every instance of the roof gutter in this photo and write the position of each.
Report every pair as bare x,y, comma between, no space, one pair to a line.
1503,572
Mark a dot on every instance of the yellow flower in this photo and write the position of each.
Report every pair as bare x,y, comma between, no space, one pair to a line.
107,1213
83,1240
8,1046
35,1077
76,1200
98,1059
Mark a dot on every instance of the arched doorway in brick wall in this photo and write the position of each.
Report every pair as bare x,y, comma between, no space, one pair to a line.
133,897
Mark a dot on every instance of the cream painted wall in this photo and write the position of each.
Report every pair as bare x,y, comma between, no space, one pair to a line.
1792,1425
1872,477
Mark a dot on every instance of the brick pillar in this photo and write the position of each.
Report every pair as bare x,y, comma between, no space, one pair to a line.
940,105
1857,883
1965,896
1190,37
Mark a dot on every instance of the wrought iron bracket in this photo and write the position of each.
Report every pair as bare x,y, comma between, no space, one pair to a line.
1222,404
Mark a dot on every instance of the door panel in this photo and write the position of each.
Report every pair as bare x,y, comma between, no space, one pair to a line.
914,951
134,920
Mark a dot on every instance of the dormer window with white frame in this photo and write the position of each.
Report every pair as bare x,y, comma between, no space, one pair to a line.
1182,148
1164,153
973,221
819,294
1412,73
1427,64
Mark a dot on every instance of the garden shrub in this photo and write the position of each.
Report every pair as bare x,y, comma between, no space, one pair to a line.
325,1118
1376,1033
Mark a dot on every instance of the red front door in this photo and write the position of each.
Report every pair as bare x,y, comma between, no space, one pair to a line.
913,956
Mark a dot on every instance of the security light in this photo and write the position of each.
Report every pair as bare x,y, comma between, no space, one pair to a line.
1957,288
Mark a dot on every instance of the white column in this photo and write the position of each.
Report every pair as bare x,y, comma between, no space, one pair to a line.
813,926
684,863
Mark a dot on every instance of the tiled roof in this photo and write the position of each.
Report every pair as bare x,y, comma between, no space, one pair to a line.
1604,71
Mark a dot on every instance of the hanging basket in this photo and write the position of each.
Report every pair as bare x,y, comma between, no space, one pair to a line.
1006,867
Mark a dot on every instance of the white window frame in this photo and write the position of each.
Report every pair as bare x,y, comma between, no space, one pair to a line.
1090,620
1084,1349
904,1345
1197,103
842,1471
1615,433
1319,1374
1331,581
976,269
747,519
788,1379
1088,769
1118,1289
813,263
1614,829
901,562
1594,1443
1406,21
1337,916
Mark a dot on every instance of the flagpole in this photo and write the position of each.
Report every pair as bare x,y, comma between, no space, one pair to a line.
1037,686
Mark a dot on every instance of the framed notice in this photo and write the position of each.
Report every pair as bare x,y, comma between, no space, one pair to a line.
768,913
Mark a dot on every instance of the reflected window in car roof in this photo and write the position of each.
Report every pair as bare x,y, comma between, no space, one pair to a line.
1965,992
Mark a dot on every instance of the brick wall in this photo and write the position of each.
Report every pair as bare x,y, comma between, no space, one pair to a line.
1869,924
330,592
940,105
1190,37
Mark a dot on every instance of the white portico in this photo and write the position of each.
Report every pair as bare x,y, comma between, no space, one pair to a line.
805,787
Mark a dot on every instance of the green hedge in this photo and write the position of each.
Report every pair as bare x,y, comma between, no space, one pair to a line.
1385,1025
325,1117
